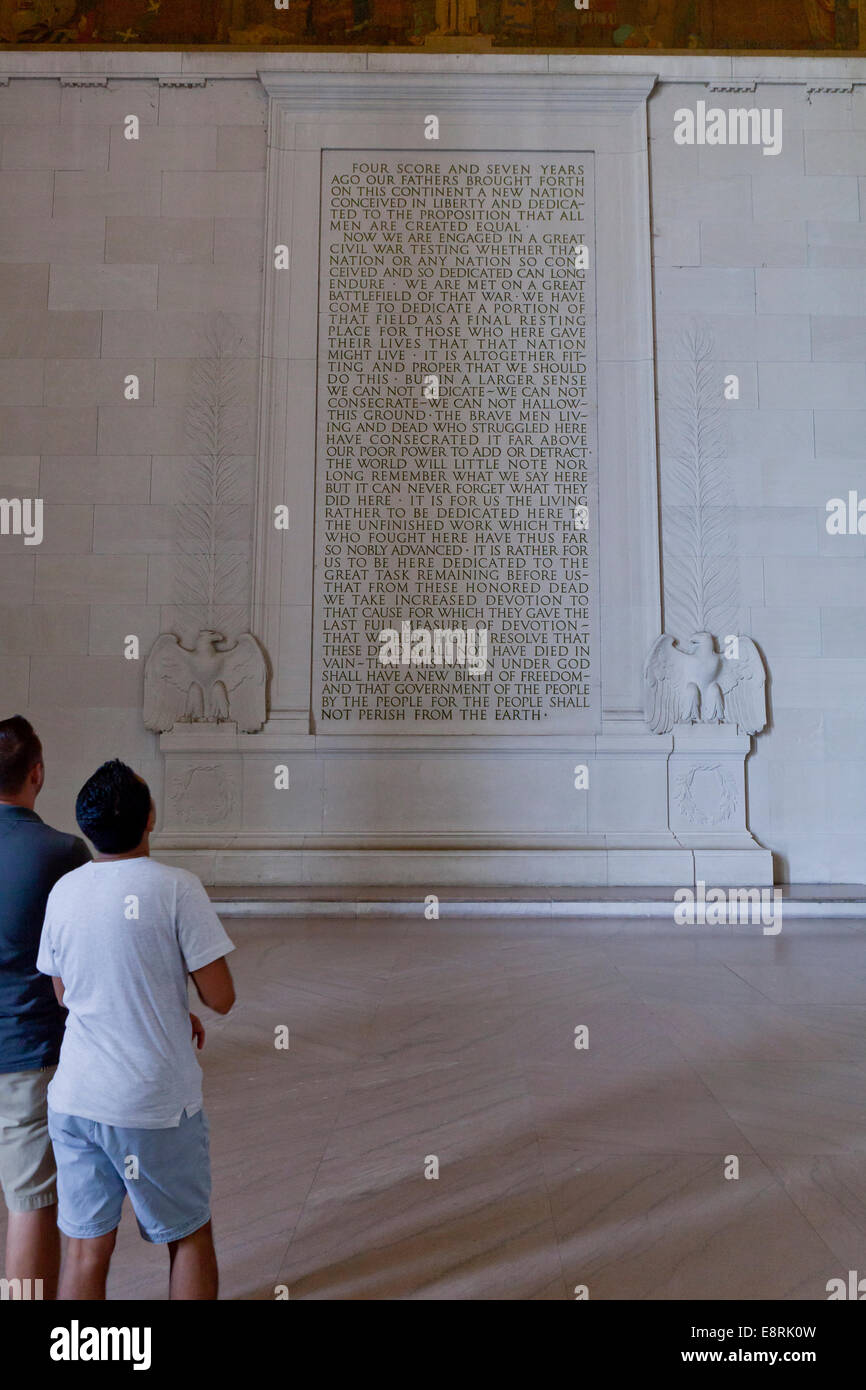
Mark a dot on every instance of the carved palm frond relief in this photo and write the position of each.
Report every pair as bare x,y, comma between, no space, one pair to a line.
701,573
212,563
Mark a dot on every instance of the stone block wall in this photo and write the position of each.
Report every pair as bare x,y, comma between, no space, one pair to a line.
768,254
118,257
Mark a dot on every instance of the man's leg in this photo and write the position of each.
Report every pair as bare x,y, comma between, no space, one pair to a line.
90,1193
33,1247
29,1178
85,1269
194,1273
171,1196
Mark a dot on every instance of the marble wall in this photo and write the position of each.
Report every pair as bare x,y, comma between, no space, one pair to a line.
121,257
116,257
768,255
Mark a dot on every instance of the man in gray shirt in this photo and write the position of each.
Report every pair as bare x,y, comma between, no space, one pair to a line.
32,858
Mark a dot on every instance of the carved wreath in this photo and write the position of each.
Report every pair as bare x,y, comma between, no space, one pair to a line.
203,795
727,802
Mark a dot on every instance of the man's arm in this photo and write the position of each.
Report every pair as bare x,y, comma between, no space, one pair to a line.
215,986
59,989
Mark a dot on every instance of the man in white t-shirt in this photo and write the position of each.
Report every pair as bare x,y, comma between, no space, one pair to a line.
120,938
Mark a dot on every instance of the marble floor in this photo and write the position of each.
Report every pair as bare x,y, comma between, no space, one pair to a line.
558,1167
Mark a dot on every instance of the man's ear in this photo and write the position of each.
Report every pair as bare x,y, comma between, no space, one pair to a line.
151,820
37,775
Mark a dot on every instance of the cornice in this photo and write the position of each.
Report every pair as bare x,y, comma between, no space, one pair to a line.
82,79
183,79
732,72
315,92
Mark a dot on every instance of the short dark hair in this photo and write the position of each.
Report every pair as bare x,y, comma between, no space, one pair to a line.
113,807
20,751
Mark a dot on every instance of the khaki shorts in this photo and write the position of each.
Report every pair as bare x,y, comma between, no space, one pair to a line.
27,1172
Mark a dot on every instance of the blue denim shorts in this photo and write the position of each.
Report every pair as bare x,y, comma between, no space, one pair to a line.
165,1172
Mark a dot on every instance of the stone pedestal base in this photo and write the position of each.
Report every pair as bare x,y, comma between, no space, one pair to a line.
667,810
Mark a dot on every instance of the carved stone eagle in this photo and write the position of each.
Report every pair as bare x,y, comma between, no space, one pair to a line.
694,683
205,684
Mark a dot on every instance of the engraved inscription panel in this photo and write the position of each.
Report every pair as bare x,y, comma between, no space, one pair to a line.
456,575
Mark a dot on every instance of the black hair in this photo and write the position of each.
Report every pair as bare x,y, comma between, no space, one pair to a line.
20,751
113,807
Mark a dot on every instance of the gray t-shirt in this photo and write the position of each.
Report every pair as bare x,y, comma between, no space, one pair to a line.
122,935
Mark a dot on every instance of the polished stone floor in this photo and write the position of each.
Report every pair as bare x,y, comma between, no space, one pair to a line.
558,1167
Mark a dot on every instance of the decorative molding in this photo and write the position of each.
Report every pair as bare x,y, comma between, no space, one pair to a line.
183,80
825,89
83,80
689,67
307,92
732,86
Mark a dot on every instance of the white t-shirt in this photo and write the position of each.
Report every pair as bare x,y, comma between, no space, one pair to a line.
127,1058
